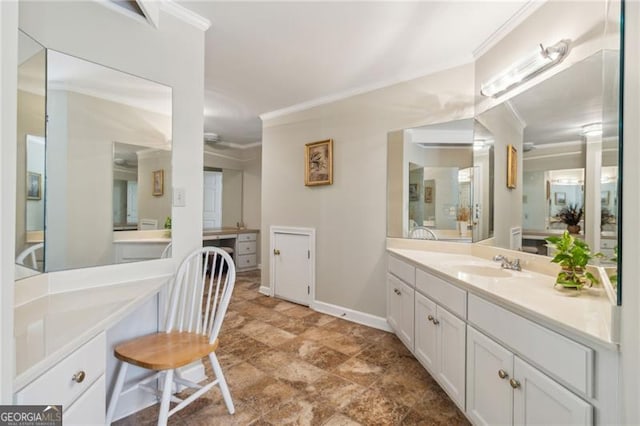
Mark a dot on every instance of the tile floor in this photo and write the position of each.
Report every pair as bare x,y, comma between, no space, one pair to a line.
289,365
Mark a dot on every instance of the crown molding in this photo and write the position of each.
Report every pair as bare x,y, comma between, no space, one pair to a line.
516,19
186,15
323,100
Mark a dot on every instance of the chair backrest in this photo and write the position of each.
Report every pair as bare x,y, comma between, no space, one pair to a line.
148,224
166,253
29,255
422,233
201,292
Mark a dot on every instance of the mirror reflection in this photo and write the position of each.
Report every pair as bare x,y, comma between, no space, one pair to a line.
30,191
434,174
222,201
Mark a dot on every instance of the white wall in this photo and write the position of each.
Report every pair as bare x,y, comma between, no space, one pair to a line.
350,215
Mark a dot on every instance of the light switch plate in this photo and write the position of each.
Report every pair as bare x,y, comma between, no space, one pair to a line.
179,197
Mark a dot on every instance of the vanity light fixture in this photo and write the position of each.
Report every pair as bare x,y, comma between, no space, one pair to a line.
529,67
593,129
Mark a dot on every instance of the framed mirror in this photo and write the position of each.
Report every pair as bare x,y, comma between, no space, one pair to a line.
107,152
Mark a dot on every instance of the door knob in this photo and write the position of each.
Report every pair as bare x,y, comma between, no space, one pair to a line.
276,252
514,383
502,374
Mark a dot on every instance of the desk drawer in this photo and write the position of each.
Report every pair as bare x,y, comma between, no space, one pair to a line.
247,261
448,295
246,247
561,357
247,237
56,386
402,270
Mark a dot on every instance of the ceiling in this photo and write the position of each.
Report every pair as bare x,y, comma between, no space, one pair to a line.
266,56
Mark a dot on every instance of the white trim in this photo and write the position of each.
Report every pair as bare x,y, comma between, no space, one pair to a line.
516,19
235,145
184,14
351,315
265,290
509,105
227,156
323,100
309,232
151,11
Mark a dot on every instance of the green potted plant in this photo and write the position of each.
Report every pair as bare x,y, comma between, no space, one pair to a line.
572,254
571,215
167,226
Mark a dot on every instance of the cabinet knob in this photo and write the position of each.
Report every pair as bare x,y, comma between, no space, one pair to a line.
430,318
79,377
502,374
514,383
396,291
276,252
435,322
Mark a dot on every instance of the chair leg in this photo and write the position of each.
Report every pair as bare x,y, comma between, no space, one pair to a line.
222,382
117,389
163,416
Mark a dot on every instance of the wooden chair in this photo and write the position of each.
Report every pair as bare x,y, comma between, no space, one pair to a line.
422,233
196,310
30,254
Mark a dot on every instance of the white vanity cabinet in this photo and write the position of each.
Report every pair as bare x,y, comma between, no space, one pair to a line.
77,383
504,389
400,301
246,249
440,346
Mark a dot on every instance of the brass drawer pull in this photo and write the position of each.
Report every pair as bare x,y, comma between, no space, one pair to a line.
79,376
514,383
502,374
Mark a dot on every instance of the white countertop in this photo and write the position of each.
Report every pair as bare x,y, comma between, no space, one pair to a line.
529,293
50,327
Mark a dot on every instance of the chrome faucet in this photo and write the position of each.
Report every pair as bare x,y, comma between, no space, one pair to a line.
506,263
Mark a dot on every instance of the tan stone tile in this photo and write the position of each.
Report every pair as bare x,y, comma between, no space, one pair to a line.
266,333
255,311
351,328
266,301
232,319
299,412
292,325
299,374
390,341
213,411
341,420
314,353
235,343
283,305
242,375
266,394
298,311
270,361
348,345
403,386
359,371
373,408
316,319
379,355
437,401
334,391
146,417
433,418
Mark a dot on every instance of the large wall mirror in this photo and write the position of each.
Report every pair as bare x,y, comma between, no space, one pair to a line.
99,178
439,182
222,201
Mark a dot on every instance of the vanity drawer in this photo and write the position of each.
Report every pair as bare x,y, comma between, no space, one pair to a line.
90,408
247,237
402,270
246,247
448,295
561,357
56,386
247,261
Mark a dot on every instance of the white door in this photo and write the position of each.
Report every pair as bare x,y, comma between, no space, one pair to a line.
451,354
425,332
489,368
212,200
539,400
132,201
406,315
292,267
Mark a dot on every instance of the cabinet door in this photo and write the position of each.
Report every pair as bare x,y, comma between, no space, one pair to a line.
425,333
451,342
539,400
406,317
489,368
394,302
90,408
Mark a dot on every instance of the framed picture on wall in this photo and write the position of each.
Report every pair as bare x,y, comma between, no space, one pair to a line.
512,166
34,186
413,192
158,182
560,198
428,194
318,163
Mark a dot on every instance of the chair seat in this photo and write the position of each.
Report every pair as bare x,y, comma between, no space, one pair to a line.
165,351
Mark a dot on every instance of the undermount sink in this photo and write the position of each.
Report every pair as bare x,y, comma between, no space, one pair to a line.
485,271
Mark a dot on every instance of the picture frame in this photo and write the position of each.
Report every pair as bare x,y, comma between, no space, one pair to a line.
318,163
512,166
413,192
605,197
34,186
428,194
158,183
560,198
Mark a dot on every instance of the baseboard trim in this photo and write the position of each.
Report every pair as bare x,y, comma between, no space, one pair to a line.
265,290
351,315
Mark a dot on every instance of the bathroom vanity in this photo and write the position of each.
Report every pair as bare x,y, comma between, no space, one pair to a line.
505,346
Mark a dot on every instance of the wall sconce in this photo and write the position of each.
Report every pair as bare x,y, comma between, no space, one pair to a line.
526,69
